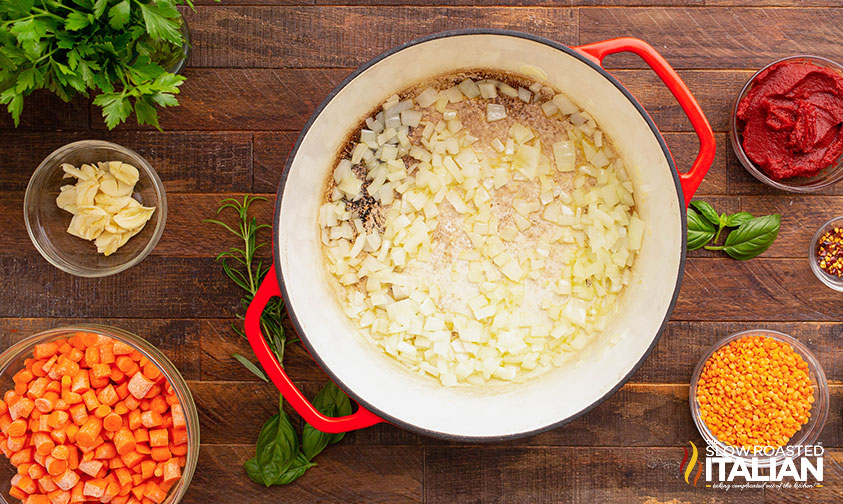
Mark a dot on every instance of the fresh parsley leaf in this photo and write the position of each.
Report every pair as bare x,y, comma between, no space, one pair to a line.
118,15
76,21
13,102
145,112
99,8
116,107
161,21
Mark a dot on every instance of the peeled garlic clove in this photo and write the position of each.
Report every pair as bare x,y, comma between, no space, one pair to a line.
133,217
90,172
111,204
108,243
124,172
66,199
113,187
113,227
88,223
72,171
86,191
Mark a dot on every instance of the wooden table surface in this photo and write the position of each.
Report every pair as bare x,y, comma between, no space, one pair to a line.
259,68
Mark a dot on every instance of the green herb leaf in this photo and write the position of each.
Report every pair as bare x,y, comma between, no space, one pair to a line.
700,230
13,102
76,21
146,113
296,470
116,107
736,219
253,471
99,8
161,21
118,15
707,211
752,237
251,367
332,402
277,446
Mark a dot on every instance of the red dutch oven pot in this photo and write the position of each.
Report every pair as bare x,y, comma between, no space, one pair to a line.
383,389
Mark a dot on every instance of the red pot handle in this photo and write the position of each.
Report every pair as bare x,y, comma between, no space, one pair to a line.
361,418
692,179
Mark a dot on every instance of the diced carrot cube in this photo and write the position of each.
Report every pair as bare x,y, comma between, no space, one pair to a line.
151,419
45,484
37,499
131,459
22,408
79,413
159,437
95,488
45,350
108,395
161,454
99,371
26,484
59,496
92,356
135,420
17,493
21,457
90,399
55,466
141,435
139,385
124,441
107,353
147,468
105,451
67,480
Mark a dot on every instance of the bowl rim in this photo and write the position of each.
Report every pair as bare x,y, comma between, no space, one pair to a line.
144,166
820,415
835,283
151,352
737,146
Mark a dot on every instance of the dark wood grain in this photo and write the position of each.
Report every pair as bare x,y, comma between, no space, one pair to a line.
761,289
346,473
571,475
683,344
718,37
801,218
341,36
158,287
185,161
177,338
271,151
45,111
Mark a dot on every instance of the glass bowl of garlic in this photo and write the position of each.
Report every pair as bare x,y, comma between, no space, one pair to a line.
94,208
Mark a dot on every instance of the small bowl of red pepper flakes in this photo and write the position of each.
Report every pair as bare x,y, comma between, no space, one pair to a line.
826,254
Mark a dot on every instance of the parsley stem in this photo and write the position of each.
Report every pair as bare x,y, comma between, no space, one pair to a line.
48,13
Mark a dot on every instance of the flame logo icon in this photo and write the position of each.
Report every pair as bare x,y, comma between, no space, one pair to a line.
687,469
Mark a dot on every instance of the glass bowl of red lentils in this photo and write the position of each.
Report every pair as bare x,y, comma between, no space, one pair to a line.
94,413
826,254
756,391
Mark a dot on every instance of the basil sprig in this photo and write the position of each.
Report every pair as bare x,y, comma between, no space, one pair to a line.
279,459
753,235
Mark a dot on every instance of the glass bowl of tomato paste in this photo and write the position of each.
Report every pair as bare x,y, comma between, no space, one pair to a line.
73,390
795,133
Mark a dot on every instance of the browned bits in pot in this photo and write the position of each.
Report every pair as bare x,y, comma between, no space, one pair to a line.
830,252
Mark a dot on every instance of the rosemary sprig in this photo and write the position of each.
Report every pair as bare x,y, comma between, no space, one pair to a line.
241,266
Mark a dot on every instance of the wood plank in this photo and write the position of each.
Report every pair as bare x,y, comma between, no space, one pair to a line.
514,3
271,151
283,99
43,110
177,338
254,36
760,289
359,474
717,37
830,493
625,419
570,475
185,161
219,342
801,217
246,99
685,146
683,344
742,182
185,235
158,287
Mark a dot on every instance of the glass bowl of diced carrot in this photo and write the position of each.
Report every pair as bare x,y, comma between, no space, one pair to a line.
759,396
94,414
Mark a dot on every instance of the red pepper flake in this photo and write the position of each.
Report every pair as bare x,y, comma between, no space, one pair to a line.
830,252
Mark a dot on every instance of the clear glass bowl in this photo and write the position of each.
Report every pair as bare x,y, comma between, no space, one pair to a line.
806,436
47,224
826,177
12,361
832,281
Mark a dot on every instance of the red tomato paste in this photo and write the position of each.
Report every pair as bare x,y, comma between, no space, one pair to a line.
792,119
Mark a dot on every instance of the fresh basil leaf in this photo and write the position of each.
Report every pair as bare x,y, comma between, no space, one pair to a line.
332,402
277,446
736,219
752,237
707,211
297,469
700,230
251,367
723,221
253,471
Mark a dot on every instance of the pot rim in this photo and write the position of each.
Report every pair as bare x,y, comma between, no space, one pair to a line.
358,71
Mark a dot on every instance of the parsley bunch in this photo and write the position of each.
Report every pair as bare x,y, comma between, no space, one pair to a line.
118,47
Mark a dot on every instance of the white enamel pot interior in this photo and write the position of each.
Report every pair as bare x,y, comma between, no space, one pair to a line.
419,403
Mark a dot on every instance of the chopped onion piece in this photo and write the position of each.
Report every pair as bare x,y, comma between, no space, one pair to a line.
495,112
